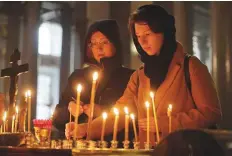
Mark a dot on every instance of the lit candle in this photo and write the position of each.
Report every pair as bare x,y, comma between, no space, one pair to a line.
116,112
25,113
126,123
16,119
169,113
29,111
155,116
104,117
79,88
148,121
134,127
4,121
93,90
13,124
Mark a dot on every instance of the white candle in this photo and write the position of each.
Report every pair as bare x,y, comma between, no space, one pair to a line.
116,112
4,121
13,124
16,119
126,123
155,116
29,111
79,88
169,113
134,127
104,117
93,90
148,121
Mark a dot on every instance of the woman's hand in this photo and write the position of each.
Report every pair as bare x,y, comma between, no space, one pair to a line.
143,124
97,109
70,129
72,108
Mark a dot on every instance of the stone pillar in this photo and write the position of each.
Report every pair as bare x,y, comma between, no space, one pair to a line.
122,17
66,18
183,17
30,50
80,24
97,11
220,36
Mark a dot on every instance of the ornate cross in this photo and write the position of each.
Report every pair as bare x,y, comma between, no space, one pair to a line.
13,72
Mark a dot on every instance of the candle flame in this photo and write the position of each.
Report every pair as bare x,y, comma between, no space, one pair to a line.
29,93
26,94
126,110
170,107
116,112
95,76
17,109
104,115
147,104
79,88
132,116
152,95
13,117
4,116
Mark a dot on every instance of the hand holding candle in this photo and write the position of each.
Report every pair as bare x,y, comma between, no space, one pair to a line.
155,116
104,117
169,113
134,127
116,112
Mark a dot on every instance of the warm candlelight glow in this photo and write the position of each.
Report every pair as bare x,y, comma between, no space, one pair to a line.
152,95
29,93
26,94
116,112
169,113
79,88
132,116
126,110
170,107
147,104
4,116
17,109
95,76
104,115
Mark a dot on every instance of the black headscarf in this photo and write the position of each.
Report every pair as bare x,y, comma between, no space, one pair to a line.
159,21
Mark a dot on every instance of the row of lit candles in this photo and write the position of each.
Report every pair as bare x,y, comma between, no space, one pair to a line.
15,117
95,77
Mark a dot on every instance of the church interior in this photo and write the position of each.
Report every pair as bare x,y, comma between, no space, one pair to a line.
50,38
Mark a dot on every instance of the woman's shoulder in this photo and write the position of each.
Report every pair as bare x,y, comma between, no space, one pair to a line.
79,73
196,64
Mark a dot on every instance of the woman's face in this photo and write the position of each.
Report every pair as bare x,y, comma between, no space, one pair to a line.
100,46
150,42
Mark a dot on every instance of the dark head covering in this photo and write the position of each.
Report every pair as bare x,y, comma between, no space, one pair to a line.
159,21
110,29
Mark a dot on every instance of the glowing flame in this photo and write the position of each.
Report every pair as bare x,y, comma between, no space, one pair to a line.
147,104
95,76
116,112
104,115
132,116
79,88
126,110
152,95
